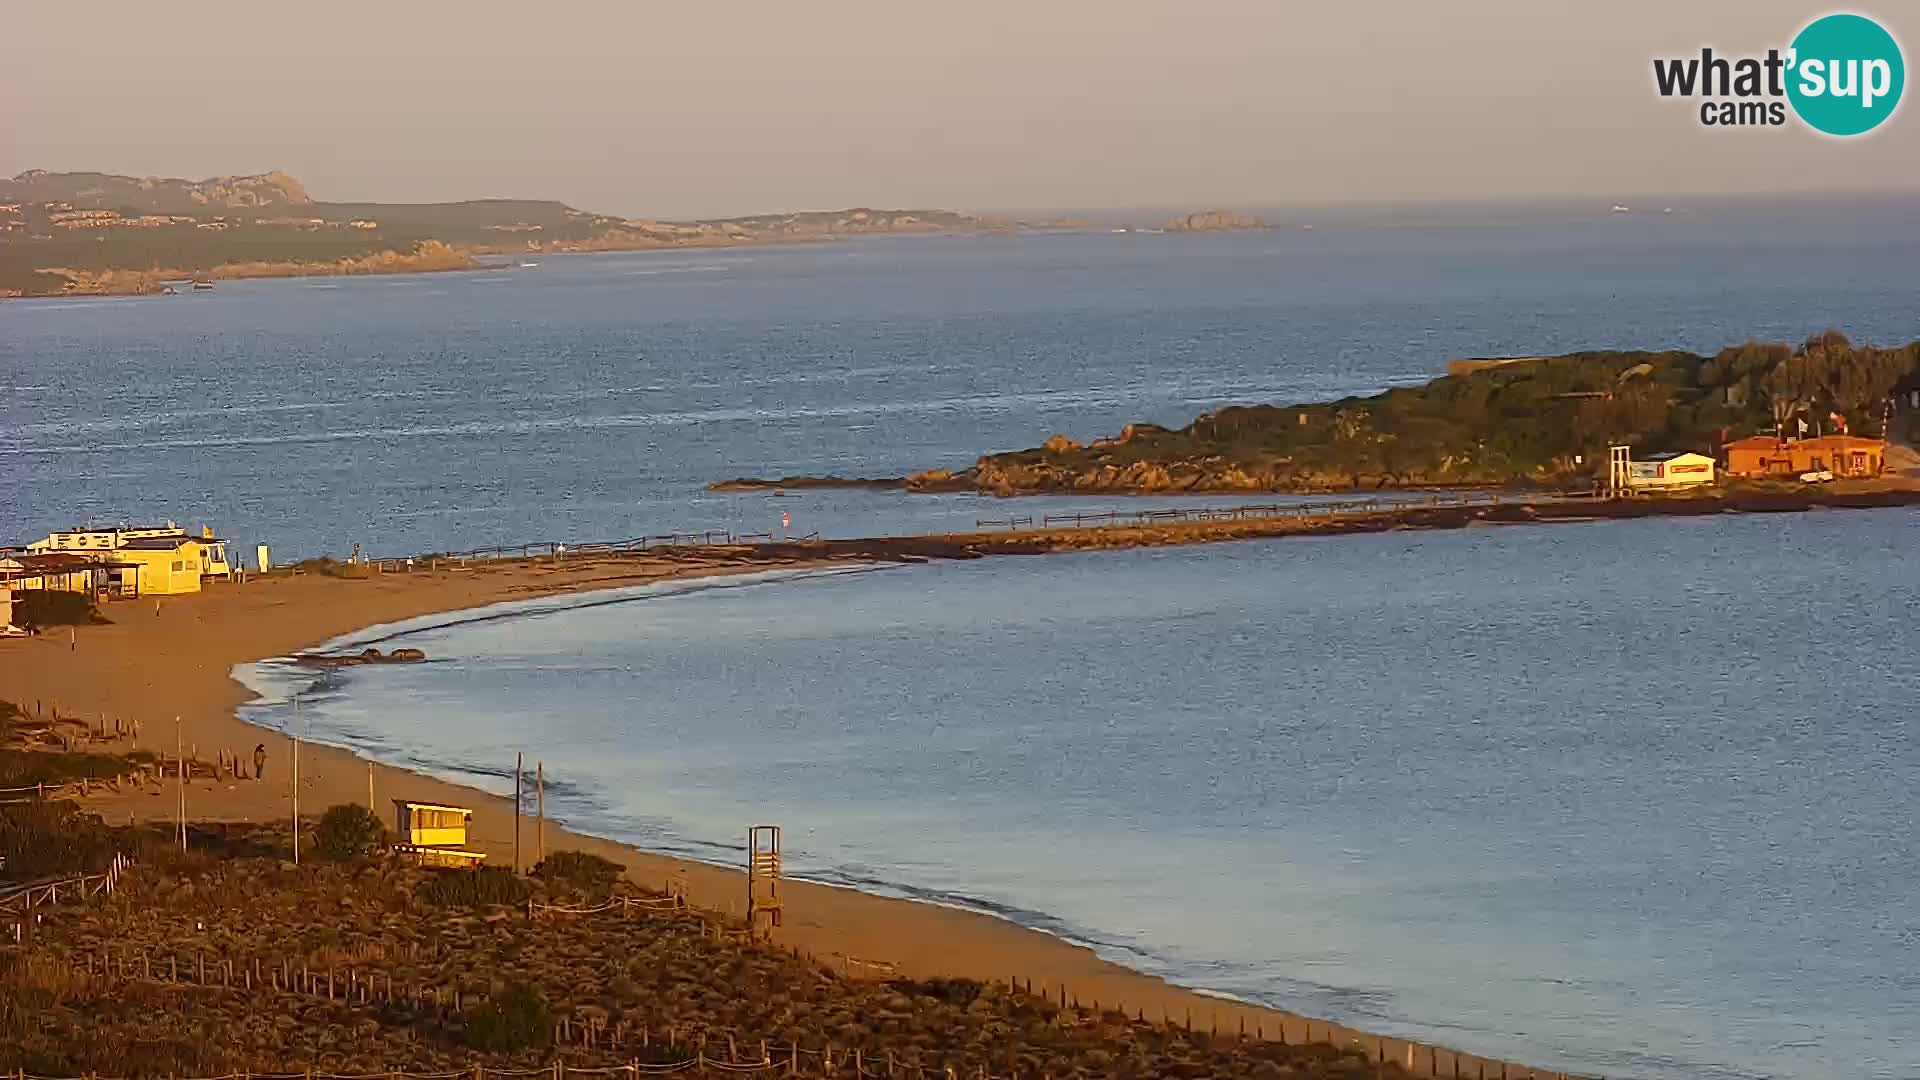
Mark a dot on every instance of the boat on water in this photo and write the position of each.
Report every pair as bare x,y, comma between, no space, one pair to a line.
168,290
1618,209
202,285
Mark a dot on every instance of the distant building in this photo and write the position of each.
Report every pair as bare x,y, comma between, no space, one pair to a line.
1662,472
84,219
1842,455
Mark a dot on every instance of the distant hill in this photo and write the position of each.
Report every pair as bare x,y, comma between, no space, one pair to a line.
153,194
85,232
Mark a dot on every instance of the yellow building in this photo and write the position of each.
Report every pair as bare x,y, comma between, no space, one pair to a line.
434,835
1665,472
156,561
162,565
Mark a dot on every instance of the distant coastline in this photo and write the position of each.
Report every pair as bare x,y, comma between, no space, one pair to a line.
99,234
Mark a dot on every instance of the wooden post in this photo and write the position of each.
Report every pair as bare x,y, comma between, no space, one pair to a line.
180,789
540,802
371,809
518,760
299,727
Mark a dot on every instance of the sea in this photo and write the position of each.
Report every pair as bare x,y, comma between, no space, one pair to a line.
1627,798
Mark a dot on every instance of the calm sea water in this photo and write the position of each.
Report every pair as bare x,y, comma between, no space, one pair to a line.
1628,798
592,398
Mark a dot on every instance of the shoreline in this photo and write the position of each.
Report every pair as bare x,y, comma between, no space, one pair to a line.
177,658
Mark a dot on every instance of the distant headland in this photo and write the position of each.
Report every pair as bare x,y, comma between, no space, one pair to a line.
86,233
1530,421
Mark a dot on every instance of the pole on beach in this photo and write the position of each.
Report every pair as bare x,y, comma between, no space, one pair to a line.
519,761
180,789
370,808
540,803
298,727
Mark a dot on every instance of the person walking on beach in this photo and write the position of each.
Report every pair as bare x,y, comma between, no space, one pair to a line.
259,760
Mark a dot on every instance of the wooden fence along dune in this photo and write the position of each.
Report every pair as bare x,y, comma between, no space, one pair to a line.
20,907
698,1052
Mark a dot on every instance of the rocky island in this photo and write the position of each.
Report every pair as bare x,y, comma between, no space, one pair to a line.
1214,221
1533,421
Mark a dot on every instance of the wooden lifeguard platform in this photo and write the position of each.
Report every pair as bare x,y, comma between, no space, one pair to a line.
763,876
434,835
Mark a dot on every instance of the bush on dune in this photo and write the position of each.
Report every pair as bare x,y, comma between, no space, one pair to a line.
489,886
515,1020
578,870
349,831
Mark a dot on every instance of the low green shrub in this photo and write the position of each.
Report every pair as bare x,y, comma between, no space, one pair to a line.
489,886
578,870
349,831
514,1020
48,839
328,566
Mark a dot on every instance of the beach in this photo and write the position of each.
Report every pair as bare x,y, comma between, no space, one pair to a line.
155,662
175,657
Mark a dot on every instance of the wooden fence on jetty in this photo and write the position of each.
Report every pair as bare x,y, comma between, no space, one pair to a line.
677,1048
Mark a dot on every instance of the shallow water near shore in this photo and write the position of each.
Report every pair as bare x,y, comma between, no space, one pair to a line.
1626,798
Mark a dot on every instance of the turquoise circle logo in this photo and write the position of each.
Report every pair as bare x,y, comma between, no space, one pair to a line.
1846,74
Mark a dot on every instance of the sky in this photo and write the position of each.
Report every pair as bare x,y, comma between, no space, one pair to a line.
683,108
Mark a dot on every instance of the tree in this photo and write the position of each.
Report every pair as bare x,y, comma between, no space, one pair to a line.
1791,387
1863,379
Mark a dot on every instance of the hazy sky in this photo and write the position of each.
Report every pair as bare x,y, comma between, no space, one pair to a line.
689,107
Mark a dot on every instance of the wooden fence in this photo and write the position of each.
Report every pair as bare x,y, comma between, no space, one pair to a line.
701,1049
24,903
79,789
357,987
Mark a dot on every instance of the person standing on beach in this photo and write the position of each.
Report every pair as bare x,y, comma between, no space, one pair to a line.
259,760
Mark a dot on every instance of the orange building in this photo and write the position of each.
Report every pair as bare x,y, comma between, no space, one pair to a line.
1842,455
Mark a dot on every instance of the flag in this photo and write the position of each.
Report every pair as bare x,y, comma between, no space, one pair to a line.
1838,421
1803,425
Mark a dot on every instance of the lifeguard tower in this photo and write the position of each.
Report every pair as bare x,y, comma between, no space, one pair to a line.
434,835
763,877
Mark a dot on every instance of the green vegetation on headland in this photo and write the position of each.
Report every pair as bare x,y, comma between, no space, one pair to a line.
1544,421
95,233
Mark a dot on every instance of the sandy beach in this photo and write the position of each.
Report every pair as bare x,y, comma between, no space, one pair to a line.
173,657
